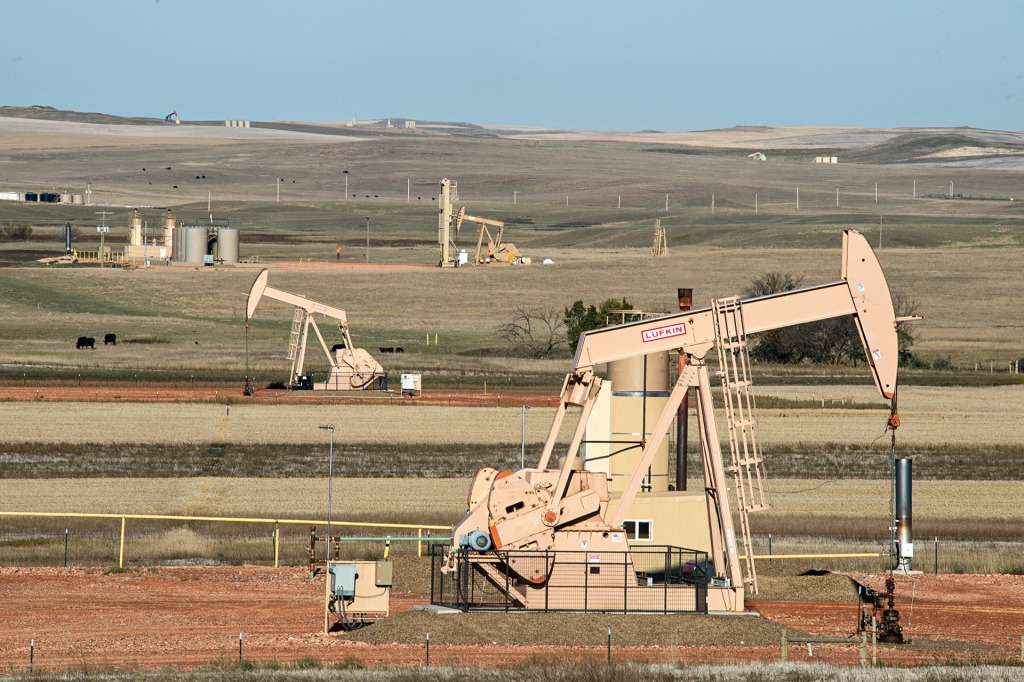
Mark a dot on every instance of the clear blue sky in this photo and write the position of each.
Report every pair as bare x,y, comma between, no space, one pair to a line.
591,65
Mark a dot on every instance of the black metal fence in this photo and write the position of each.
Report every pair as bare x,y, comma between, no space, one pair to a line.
655,579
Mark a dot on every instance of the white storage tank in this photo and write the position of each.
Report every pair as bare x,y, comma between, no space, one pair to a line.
195,244
227,244
169,230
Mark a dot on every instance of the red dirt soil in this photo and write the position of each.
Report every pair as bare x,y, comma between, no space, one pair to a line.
188,616
190,395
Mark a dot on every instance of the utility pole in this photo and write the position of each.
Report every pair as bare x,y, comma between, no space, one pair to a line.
102,228
345,173
367,239
330,486
279,190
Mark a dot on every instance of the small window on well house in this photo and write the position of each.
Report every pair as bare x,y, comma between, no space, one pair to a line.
638,530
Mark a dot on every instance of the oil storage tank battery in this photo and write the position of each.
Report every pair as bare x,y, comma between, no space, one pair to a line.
195,244
227,244
177,246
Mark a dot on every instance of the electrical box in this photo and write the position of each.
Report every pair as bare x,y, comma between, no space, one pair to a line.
411,384
384,573
358,593
342,579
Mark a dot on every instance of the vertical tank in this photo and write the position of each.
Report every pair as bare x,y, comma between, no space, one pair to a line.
640,389
176,243
169,231
136,228
77,199
196,244
227,244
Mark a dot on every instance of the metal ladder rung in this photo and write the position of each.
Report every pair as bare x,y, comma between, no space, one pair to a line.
743,423
746,462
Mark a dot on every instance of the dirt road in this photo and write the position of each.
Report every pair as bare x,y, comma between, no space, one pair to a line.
193,616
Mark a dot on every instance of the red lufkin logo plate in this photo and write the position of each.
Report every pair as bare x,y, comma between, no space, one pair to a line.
664,332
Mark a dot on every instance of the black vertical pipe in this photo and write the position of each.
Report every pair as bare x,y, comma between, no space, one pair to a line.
682,433
904,511
683,413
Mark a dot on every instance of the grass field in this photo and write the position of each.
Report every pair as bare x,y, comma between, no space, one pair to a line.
48,309
946,255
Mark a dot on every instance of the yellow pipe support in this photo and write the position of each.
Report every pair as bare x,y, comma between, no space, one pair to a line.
419,542
277,546
120,560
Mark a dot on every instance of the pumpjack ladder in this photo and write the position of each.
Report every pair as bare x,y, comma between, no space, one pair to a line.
747,467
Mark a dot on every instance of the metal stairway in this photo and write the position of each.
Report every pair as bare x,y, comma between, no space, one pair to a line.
747,467
298,317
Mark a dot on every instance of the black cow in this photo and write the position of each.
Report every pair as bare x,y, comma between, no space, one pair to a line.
85,342
110,339
399,350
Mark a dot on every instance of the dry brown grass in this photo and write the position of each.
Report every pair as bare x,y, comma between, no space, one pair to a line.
246,497
400,423
935,500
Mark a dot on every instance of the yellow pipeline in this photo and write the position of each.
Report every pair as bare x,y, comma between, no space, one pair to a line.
225,519
762,557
